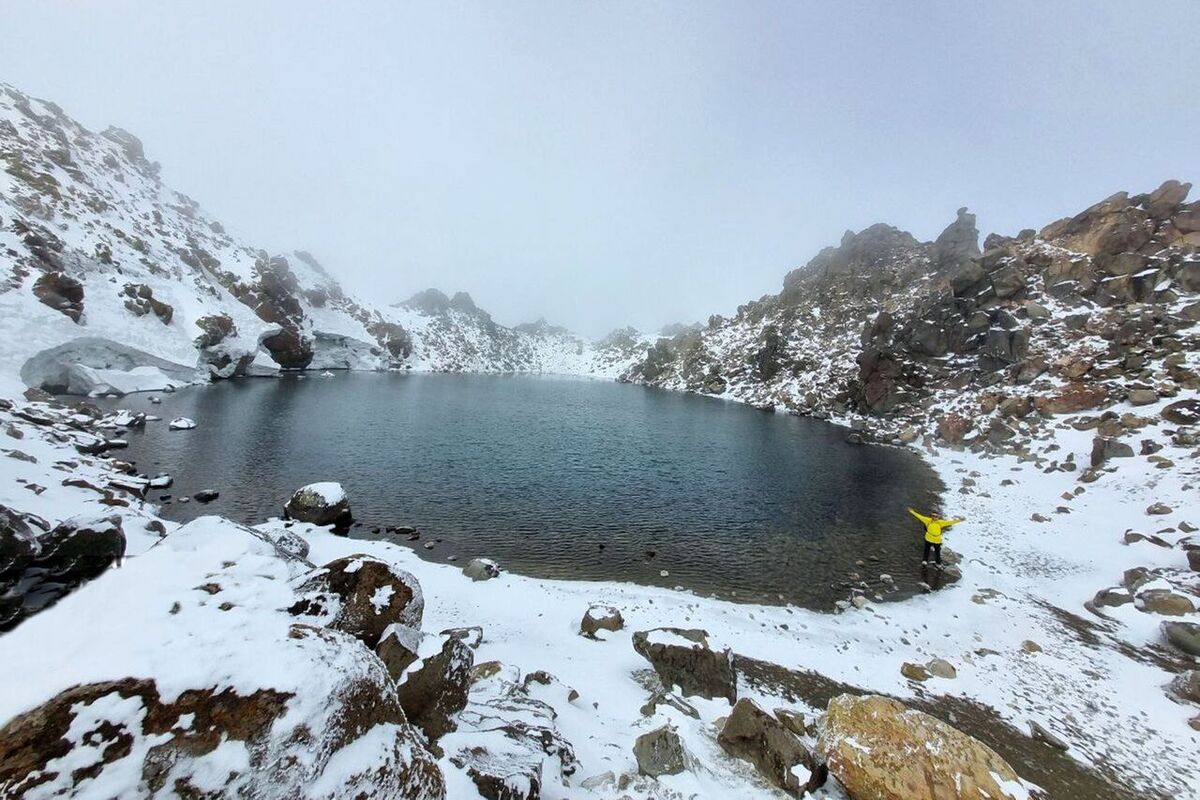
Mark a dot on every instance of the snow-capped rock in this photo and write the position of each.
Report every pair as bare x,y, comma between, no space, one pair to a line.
322,503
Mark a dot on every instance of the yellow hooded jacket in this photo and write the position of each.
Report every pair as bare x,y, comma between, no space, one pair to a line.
935,526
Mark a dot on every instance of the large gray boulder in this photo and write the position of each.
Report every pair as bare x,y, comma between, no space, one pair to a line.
958,243
319,503
683,658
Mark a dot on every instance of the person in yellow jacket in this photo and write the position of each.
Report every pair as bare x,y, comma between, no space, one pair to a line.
933,534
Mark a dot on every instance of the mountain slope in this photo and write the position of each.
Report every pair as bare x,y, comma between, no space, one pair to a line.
914,336
107,270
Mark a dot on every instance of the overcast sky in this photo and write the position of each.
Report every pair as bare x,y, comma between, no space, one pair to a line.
609,163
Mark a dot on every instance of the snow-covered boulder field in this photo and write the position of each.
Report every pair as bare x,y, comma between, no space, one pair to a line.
215,689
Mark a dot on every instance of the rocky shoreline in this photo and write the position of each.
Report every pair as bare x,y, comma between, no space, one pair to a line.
470,716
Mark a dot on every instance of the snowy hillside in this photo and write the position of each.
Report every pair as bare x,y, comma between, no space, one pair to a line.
108,270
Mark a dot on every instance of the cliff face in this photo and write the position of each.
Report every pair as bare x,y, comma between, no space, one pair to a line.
899,332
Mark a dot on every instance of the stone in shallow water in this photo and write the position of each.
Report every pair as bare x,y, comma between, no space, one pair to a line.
320,504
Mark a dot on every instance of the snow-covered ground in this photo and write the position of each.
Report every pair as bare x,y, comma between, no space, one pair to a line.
1100,689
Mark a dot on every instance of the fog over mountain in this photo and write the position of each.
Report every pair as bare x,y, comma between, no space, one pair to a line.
607,165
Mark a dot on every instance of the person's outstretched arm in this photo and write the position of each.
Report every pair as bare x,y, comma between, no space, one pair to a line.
949,523
924,519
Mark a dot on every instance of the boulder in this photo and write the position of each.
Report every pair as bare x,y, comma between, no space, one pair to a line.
18,547
141,301
1075,397
320,504
116,732
79,549
1183,412
397,648
1158,509
288,348
361,596
1105,447
659,752
1142,397
181,424
1167,199
879,749
481,569
1165,602
1184,635
601,618
1109,598
682,657
214,329
753,735
957,244
914,672
434,692
1186,686
61,292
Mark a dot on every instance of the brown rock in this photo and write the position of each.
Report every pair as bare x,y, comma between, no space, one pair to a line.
682,657
61,292
1165,602
363,595
435,692
1166,200
1183,412
751,734
879,749
601,618
1073,398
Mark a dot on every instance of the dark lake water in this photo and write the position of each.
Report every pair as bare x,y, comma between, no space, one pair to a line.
558,478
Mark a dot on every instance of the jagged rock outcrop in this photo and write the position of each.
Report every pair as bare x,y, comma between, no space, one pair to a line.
886,326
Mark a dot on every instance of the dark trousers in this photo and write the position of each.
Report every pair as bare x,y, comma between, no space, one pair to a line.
937,551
